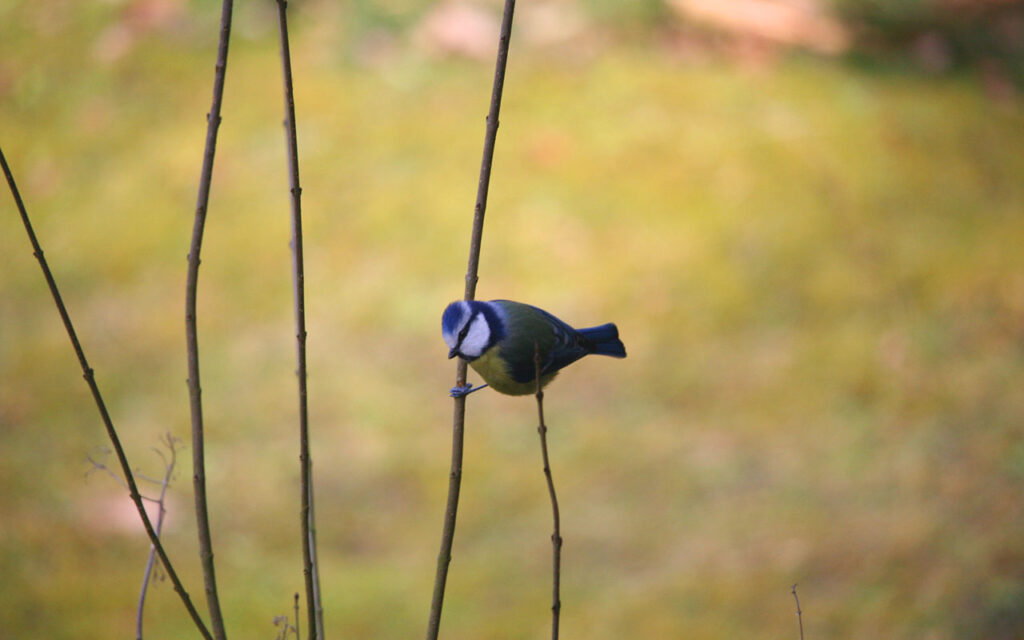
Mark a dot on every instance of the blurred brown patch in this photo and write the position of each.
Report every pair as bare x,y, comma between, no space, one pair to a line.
801,23
106,512
458,29
137,18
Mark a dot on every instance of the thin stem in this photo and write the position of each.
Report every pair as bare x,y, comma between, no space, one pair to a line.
451,508
168,471
799,613
314,561
490,136
459,410
310,568
99,466
191,337
556,535
90,379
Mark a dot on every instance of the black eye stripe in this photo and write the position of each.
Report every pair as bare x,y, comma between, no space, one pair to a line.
463,332
465,327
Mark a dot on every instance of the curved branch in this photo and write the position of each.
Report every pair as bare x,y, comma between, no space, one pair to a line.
191,337
556,535
90,379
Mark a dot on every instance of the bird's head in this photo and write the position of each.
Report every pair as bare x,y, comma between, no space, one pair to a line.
470,328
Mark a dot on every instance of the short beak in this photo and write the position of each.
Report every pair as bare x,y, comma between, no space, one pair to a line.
452,353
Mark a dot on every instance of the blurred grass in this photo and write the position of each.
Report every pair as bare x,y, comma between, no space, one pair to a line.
816,269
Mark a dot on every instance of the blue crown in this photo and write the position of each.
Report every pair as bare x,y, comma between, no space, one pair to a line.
452,317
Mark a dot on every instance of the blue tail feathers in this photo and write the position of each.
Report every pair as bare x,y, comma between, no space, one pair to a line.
604,340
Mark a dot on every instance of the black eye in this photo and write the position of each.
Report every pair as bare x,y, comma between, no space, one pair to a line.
463,332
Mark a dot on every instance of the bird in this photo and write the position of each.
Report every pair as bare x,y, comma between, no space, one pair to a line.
500,339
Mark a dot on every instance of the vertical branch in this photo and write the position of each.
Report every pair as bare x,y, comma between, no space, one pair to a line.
799,613
172,444
90,380
490,136
556,536
459,412
311,571
191,338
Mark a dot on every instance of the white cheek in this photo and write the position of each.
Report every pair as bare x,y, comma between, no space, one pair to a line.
475,342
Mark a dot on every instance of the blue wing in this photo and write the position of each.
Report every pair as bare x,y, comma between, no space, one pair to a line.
560,344
569,345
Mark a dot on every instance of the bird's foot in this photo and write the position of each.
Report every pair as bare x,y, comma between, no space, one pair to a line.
462,392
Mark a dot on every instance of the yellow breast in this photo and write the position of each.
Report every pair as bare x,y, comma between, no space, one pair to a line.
492,369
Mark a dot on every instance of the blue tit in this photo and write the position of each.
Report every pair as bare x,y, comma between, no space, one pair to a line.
500,339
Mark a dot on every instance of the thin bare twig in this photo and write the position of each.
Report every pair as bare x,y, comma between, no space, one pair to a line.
191,336
310,566
99,466
90,379
172,445
556,535
459,412
799,613
169,464
287,628
150,479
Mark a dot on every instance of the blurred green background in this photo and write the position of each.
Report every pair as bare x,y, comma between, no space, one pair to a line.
810,237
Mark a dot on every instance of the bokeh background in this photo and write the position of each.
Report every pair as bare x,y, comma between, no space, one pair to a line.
806,217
